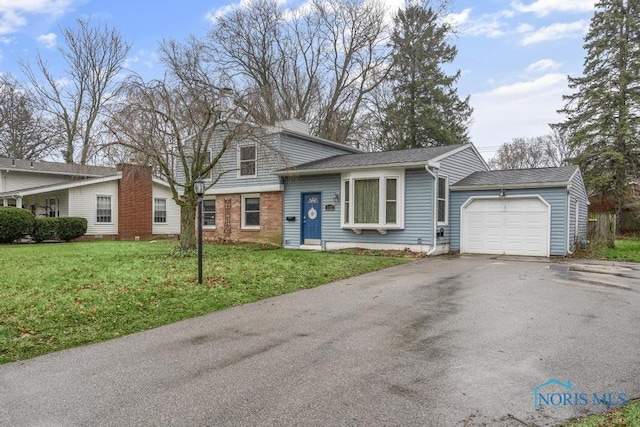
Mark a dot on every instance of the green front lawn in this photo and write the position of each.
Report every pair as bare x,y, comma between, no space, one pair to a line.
627,250
57,296
627,416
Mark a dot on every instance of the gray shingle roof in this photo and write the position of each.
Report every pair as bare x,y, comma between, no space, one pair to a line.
518,177
380,158
54,167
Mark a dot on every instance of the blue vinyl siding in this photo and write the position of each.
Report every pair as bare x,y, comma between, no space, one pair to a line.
578,193
299,150
555,197
418,211
461,165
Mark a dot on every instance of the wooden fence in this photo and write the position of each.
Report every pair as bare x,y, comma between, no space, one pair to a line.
601,228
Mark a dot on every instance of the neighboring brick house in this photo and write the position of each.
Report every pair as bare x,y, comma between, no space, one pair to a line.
246,204
125,202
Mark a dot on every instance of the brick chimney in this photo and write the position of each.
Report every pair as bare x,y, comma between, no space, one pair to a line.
135,201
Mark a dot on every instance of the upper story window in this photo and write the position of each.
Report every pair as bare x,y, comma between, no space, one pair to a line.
103,209
373,199
443,200
160,210
247,160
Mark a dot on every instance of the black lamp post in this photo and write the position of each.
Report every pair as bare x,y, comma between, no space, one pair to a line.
199,188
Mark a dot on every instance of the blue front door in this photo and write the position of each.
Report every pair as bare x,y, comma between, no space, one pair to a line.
311,221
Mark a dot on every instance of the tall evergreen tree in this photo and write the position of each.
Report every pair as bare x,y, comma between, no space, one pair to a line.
603,114
425,110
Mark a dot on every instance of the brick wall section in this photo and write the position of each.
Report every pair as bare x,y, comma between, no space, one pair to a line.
135,201
270,220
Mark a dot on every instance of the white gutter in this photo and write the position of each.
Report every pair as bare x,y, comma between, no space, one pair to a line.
434,203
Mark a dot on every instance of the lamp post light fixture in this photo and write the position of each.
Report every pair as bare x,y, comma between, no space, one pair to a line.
199,188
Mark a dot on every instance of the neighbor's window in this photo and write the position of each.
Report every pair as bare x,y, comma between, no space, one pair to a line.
372,201
51,206
442,199
251,212
247,159
209,212
159,210
103,209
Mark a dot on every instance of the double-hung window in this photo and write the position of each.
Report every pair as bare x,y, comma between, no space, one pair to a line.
103,209
209,212
443,200
251,212
160,210
247,160
52,206
373,200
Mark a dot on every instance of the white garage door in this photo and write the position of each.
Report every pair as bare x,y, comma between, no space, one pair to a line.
518,226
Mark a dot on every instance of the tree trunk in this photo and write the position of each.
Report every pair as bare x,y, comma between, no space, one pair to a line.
188,222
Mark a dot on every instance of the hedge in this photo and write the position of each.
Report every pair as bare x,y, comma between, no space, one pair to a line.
71,228
15,223
46,229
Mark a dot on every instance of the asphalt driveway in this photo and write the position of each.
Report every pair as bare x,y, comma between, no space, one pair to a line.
448,341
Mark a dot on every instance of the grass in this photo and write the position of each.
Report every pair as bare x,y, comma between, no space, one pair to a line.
627,416
57,296
627,250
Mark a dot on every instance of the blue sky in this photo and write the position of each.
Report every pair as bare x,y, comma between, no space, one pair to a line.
515,55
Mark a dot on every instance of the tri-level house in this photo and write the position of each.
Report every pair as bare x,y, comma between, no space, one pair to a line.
304,192
124,202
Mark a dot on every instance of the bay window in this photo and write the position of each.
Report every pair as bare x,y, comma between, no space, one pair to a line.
373,200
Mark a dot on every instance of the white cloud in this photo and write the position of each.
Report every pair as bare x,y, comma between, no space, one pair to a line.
13,13
545,7
522,109
557,31
49,39
457,19
543,65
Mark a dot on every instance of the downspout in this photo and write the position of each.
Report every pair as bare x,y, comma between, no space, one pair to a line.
434,203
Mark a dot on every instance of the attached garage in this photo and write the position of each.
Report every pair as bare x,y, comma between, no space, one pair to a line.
528,212
506,226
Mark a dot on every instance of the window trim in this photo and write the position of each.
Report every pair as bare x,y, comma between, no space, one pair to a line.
347,203
96,222
215,213
243,225
255,160
166,213
57,205
446,199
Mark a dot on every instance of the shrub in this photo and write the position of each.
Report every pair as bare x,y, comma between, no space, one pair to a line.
46,229
15,223
71,228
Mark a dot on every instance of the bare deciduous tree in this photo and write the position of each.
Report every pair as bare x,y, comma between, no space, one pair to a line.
24,131
317,63
93,57
538,152
182,124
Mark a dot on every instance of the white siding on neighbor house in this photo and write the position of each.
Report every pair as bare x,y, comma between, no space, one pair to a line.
39,200
18,180
418,212
461,164
555,197
172,226
82,203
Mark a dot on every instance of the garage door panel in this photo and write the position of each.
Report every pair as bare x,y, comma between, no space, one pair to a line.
507,226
